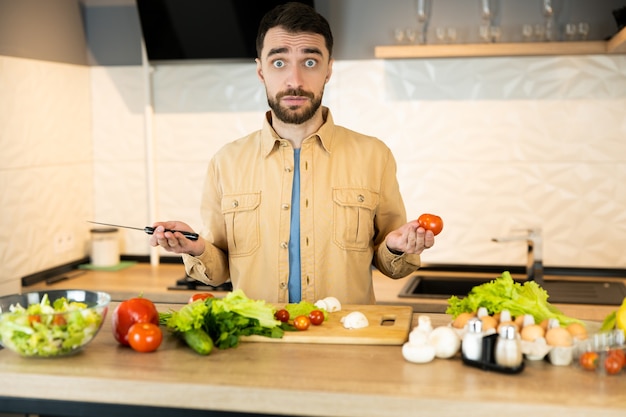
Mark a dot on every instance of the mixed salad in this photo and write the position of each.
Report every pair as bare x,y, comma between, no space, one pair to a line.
49,329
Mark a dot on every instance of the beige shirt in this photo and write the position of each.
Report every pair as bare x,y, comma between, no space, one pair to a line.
349,201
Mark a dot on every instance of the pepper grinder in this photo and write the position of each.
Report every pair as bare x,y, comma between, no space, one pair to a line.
508,347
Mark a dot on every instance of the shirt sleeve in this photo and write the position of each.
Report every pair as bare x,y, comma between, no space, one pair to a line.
395,266
391,215
210,267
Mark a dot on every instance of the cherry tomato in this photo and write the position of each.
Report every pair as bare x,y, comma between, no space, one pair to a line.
59,320
129,312
282,315
589,360
145,337
620,355
612,364
200,296
302,322
431,222
34,318
316,317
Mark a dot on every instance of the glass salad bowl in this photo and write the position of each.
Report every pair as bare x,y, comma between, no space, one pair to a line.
51,323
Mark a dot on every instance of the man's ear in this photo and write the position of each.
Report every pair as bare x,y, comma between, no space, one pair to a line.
259,69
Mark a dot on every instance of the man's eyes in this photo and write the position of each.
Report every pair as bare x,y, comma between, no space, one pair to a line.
309,63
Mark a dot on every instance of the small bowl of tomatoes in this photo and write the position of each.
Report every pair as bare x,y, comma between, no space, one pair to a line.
603,353
51,323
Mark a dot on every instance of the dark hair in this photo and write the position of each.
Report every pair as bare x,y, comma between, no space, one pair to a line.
294,17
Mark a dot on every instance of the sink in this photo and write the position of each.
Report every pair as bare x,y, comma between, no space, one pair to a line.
594,290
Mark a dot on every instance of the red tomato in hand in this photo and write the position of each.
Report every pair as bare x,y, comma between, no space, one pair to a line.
282,315
302,322
200,296
145,337
431,222
129,312
316,317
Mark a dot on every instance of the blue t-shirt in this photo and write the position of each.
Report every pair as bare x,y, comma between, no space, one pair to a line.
295,287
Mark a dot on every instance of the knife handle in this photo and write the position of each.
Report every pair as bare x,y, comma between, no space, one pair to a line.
189,235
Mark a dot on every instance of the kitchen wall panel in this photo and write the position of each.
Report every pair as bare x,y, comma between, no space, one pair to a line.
46,167
492,145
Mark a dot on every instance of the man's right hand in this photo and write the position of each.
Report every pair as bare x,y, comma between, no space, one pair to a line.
176,242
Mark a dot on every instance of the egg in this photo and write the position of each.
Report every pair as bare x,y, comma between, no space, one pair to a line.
461,320
532,332
559,336
577,331
489,323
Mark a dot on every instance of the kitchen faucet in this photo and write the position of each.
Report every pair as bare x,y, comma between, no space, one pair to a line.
534,261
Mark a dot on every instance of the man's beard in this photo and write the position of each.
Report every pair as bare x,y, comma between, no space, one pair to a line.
289,114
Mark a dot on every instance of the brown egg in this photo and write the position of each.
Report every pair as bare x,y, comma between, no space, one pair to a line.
577,331
559,336
544,324
532,332
519,320
461,320
489,322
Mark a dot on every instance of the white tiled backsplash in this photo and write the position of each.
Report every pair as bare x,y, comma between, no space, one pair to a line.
490,144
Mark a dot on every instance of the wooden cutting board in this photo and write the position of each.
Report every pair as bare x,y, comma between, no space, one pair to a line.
388,325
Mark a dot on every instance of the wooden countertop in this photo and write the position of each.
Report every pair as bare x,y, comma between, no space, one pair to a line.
307,380
299,379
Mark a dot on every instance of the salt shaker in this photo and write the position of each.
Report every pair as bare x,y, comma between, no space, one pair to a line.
508,347
473,340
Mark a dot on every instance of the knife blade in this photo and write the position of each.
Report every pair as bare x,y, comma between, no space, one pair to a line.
150,230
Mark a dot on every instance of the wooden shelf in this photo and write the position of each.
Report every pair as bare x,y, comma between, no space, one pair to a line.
616,45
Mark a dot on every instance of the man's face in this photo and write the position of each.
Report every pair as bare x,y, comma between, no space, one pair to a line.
294,68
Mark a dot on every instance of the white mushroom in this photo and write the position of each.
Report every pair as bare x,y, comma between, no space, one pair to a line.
355,320
333,304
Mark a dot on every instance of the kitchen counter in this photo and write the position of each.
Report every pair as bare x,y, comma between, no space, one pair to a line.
293,379
287,378
153,283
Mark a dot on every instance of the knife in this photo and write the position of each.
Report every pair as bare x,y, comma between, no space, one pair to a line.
150,230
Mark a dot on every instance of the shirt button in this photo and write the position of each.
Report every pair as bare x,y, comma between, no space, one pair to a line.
284,245
283,143
288,169
361,198
283,285
285,206
235,203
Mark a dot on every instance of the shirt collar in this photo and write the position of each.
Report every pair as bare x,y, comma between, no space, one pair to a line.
270,139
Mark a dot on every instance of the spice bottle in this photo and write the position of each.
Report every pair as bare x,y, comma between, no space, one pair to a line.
508,347
472,343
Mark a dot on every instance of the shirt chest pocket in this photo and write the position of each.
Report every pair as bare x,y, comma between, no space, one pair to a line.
354,210
241,215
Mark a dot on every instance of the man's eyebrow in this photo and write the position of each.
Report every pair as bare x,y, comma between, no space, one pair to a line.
276,51
282,50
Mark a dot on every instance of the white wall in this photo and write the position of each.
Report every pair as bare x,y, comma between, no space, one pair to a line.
46,167
490,144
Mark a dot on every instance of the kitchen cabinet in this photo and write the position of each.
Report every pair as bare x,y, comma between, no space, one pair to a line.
615,45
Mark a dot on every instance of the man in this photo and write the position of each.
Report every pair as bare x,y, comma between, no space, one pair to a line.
301,209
